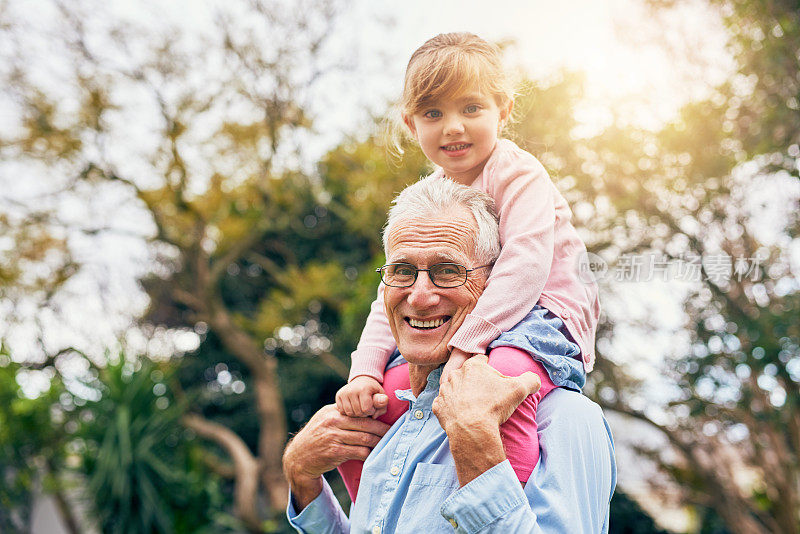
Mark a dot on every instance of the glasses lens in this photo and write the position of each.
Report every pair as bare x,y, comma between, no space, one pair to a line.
448,274
399,274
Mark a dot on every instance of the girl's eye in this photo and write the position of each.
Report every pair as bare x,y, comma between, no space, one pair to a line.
433,114
472,108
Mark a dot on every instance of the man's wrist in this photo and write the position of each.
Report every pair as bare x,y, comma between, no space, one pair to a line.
476,447
304,490
304,487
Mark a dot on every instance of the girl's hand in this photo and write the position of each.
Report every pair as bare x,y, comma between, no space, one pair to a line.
362,397
456,360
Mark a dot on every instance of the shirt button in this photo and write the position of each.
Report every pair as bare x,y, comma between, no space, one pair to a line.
394,471
376,530
565,314
418,414
453,522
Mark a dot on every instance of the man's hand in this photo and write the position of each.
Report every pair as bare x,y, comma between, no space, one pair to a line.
473,402
326,441
454,362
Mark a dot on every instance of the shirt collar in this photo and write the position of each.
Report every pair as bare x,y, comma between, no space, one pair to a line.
428,394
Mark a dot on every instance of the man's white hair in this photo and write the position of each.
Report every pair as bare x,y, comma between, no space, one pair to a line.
435,195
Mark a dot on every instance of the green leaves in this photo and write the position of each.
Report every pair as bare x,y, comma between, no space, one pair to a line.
141,475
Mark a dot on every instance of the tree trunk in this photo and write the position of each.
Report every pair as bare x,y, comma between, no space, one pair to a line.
269,403
245,465
272,438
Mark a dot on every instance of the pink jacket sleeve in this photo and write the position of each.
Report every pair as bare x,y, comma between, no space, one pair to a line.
376,343
524,196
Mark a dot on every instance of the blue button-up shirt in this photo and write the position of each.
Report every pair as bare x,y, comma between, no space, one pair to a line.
409,482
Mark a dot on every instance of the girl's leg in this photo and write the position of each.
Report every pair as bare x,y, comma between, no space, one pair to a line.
519,433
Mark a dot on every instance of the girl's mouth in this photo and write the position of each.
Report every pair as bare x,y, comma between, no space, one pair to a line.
456,147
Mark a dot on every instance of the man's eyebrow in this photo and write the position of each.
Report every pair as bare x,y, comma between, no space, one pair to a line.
441,257
400,259
438,257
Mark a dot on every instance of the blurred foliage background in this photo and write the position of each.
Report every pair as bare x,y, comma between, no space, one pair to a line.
267,261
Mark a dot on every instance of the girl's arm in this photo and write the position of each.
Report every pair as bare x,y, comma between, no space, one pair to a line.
376,344
524,196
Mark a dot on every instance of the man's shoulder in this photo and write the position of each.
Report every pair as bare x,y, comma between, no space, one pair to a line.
565,409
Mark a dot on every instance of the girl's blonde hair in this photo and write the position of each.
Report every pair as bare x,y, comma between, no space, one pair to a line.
449,66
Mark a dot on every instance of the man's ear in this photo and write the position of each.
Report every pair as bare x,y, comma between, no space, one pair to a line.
409,121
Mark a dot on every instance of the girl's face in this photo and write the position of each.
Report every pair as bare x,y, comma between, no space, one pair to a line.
459,134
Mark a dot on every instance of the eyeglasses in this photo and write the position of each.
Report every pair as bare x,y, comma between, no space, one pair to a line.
444,275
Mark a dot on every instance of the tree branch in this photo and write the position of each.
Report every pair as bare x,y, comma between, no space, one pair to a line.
236,251
338,367
244,463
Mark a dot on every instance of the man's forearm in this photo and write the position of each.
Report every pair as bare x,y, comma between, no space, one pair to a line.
495,499
304,487
323,515
304,491
476,448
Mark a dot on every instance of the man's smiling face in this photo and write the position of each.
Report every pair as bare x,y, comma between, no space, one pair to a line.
448,238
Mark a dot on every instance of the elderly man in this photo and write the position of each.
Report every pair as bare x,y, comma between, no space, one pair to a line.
442,465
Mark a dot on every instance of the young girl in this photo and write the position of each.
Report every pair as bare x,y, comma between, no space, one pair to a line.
456,101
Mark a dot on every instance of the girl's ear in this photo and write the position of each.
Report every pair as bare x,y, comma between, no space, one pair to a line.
409,121
505,112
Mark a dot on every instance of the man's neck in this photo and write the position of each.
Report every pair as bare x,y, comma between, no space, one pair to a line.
418,376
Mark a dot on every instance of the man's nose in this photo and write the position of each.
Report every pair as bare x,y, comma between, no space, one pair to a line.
423,294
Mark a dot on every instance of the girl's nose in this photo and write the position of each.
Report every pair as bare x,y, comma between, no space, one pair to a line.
453,125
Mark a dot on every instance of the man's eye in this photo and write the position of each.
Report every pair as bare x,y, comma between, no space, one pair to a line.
472,108
403,271
433,114
448,270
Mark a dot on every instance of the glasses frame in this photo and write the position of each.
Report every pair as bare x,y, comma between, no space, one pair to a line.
417,270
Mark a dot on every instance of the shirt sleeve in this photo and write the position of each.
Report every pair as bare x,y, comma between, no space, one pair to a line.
524,196
376,344
569,490
323,516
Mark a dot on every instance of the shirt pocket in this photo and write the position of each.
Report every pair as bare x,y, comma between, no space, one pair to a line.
430,485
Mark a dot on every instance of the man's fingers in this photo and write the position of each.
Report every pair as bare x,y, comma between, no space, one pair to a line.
365,424
359,439
478,358
357,453
529,382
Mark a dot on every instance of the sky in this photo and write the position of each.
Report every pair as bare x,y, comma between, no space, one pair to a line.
628,56
652,65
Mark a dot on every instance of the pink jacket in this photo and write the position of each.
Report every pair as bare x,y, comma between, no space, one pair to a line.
538,263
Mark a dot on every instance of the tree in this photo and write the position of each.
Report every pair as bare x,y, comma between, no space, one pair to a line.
686,193
142,472
32,448
272,266
216,185
627,517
